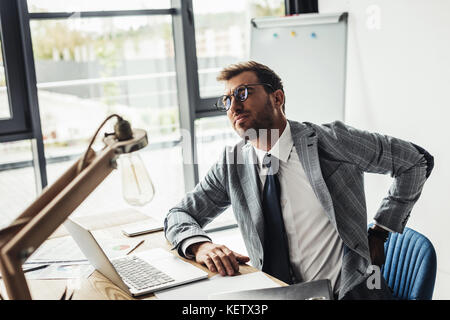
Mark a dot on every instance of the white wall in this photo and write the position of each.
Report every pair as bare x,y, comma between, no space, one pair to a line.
398,83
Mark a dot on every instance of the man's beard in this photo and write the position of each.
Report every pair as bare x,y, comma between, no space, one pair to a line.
263,121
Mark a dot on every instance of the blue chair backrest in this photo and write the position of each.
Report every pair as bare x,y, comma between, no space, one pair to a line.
410,267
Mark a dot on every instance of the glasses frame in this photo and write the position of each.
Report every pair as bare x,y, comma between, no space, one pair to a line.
236,95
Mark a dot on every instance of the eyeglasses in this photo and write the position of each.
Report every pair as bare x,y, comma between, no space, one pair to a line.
240,94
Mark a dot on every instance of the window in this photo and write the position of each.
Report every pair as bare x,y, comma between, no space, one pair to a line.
213,134
88,65
222,35
17,181
88,68
100,66
14,105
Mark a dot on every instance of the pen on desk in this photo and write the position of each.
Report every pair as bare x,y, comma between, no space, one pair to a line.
135,247
42,266
36,268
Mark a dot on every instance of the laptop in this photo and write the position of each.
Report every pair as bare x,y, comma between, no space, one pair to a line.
139,273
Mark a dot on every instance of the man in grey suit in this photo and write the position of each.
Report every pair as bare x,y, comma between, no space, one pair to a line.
297,192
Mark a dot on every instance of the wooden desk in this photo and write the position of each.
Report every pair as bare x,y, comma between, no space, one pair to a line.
98,287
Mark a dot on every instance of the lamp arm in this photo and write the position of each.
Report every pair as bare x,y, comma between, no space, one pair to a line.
44,216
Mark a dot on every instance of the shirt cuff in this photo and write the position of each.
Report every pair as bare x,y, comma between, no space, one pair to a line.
383,227
186,243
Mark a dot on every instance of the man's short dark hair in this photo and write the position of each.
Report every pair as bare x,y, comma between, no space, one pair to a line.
263,72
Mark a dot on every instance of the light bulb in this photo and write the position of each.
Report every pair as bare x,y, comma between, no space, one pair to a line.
137,187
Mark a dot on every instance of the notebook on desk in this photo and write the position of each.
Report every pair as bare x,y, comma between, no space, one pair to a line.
312,290
140,273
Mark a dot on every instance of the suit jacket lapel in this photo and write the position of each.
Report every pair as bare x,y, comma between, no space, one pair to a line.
250,182
305,142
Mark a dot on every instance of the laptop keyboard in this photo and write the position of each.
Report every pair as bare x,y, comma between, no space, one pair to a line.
140,274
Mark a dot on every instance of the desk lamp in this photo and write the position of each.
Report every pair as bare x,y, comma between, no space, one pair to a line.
26,233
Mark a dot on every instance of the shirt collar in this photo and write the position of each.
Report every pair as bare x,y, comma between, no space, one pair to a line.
282,147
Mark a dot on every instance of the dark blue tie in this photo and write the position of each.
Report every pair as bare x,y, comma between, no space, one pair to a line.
276,254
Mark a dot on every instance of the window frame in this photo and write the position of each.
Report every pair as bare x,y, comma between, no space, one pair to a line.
18,125
301,6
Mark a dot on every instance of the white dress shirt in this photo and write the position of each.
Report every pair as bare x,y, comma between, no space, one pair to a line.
315,248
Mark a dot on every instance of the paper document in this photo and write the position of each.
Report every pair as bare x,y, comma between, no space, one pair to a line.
201,290
65,250
61,271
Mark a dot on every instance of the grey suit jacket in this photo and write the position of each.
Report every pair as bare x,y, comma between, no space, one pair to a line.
334,157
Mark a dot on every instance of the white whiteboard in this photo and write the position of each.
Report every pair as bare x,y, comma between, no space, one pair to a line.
308,52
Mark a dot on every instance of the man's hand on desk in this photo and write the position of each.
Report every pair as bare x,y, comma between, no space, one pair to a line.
218,258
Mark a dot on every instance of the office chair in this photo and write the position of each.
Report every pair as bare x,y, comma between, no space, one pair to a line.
410,266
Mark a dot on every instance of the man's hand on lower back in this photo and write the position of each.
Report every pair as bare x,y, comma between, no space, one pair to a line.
376,247
218,258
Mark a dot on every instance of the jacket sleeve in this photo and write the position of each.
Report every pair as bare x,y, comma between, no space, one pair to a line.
199,207
408,164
